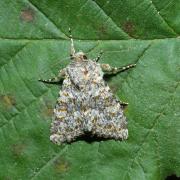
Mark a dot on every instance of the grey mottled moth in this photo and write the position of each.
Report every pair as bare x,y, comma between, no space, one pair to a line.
85,102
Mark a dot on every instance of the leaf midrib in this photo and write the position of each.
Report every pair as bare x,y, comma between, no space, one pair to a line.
79,39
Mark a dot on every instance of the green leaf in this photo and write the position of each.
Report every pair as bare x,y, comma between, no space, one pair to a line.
34,43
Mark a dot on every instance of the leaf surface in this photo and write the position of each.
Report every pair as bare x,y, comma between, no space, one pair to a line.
34,44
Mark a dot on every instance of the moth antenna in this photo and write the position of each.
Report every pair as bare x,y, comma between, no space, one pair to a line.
72,52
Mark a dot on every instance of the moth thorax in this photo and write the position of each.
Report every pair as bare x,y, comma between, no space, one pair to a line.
79,56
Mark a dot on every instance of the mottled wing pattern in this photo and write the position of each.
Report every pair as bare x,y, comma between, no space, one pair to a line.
108,119
67,122
104,115
86,104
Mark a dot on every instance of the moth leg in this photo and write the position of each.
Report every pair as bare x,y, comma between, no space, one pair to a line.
99,56
72,51
123,104
55,79
108,70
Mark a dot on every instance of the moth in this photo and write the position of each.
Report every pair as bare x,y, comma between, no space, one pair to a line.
86,104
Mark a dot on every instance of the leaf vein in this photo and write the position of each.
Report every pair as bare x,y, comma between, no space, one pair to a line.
25,108
111,19
166,6
16,53
157,154
142,144
163,20
59,39
49,162
146,136
47,17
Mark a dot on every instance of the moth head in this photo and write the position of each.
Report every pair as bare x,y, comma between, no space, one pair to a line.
80,56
